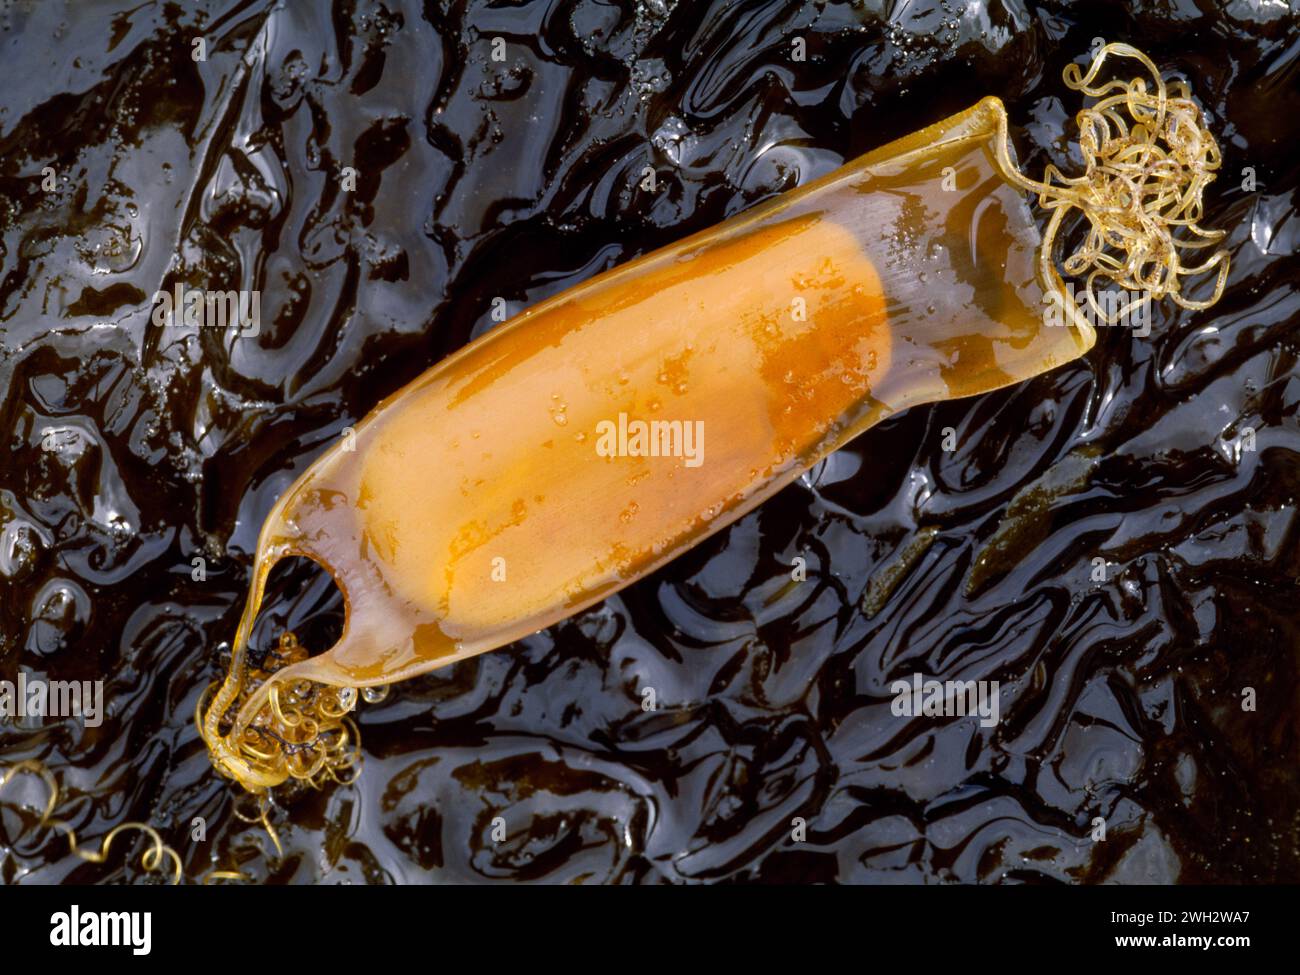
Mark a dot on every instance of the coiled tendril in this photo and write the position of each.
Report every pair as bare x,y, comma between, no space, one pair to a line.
1148,157
300,731
156,858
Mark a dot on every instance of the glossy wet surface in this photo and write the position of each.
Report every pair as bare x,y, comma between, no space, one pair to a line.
1122,684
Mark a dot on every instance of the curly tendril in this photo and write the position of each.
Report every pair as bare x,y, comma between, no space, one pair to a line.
156,857
301,731
1148,157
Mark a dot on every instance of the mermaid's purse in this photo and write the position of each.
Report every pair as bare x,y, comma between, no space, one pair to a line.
605,431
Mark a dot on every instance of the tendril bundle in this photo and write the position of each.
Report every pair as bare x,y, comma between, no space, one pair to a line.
1148,158
300,731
